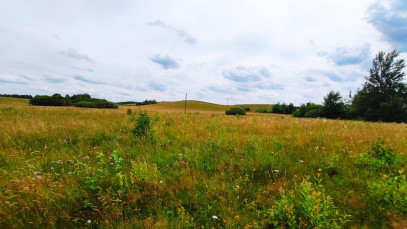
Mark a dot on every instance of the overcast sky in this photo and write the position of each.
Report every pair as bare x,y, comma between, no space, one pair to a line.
250,51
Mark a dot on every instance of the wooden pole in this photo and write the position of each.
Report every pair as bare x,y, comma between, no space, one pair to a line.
186,94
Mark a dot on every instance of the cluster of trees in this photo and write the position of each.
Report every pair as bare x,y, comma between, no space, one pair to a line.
16,96
283,108
79,100
383,96
145,102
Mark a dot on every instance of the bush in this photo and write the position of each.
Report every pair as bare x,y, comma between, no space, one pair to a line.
235,111
261,110
309,110
143,125
283,108
246,108
306,207
378,159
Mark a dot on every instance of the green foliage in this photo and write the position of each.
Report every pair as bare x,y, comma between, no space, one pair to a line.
379,158
306,207
17,96
80,100
261,110
129,111
333,106
283,108
54,100
246,108
143,125
309,110
235,111
390,192
384,94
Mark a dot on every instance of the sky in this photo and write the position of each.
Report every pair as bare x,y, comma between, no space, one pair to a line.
219,51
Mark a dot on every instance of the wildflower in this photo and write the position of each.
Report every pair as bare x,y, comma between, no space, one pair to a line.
319,170
52,168
276,170
237,186
86,157
214,217
59,162
70,173
89,221
301,161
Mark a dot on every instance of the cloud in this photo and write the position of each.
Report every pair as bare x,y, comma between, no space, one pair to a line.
15,79
187,38
244,74
165,61
81,78
348,56
156,86
82,69
310,79
218,89
334,77
269,86
72,53
51,79
390,18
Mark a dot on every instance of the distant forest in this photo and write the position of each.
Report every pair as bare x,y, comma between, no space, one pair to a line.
79,100
17,96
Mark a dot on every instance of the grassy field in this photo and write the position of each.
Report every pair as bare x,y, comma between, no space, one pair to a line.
76,167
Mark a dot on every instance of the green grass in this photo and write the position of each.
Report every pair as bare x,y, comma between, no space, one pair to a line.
71,167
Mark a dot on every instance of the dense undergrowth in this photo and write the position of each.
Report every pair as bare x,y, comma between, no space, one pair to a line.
69,167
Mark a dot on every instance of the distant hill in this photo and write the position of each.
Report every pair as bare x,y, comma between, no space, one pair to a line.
194,105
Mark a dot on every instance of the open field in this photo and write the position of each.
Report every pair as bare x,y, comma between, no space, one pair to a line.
76,167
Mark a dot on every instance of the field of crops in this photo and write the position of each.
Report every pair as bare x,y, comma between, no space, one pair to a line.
124,168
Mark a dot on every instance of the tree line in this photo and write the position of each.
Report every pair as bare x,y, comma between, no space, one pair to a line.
383,96
16,96
78,100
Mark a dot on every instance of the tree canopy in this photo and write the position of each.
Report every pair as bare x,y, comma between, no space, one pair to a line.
384,94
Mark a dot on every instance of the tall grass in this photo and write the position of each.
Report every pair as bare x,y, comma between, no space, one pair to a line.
73,167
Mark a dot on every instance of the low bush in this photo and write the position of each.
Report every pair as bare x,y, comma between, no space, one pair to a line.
261,110
306,207
235,111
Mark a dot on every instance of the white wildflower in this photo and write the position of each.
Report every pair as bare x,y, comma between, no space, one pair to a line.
214,217
89,222
59,162
276,170
301,161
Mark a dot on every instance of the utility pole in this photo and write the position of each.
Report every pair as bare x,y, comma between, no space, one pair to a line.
186,95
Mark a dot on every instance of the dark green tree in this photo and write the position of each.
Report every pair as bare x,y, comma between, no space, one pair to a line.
333,105
384,94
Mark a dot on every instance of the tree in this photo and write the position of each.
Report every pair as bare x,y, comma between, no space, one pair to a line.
333,105
384,94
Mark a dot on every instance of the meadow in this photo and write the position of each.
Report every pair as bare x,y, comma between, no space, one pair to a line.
155,167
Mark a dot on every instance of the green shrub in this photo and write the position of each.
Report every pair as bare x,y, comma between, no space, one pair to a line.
129,111
235,111
261,110
306,207
390,192
143,125
378,158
